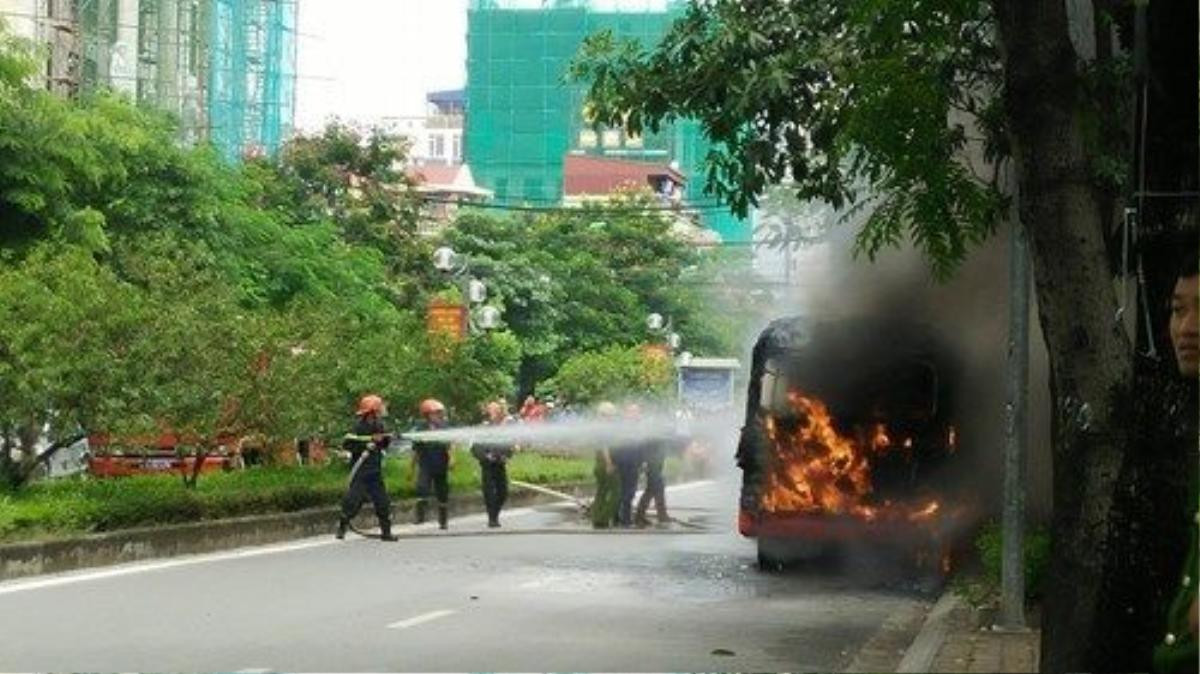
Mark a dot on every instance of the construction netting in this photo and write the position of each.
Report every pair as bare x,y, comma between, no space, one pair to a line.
523,119
226,69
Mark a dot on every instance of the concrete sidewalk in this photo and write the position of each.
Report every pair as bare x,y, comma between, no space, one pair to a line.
959,638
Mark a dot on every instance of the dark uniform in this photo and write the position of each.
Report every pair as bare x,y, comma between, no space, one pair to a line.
655,456
628,460
433,469
367,480
493,467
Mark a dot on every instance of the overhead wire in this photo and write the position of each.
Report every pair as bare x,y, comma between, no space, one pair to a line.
574,209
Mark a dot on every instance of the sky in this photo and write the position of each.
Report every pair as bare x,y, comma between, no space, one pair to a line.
361,60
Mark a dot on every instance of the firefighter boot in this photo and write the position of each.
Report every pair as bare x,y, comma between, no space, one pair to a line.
343,524
664,520
385,531
639,518
443,516
419,513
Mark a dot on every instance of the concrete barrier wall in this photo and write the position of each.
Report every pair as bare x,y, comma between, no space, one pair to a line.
40,557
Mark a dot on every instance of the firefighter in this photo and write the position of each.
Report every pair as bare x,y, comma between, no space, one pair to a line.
493,457
366,443
604,504
432,462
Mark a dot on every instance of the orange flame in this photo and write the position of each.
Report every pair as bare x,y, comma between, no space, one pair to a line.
815,469
925,513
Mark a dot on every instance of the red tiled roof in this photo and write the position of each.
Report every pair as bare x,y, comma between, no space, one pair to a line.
435,174
601,175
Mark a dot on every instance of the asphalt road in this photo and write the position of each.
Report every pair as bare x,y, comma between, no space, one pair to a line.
542,594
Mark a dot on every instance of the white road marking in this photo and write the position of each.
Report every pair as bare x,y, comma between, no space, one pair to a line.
255,670
71,578
687,486
539,582
423,618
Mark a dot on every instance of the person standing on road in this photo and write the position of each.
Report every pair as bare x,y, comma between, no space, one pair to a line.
1178,651
366,443
655,455
432,462
628,459
604,504
493,457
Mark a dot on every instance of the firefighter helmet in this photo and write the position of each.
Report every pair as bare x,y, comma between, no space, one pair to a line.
371,403
430,406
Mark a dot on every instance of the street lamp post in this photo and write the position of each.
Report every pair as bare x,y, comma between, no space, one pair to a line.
655,323
473,290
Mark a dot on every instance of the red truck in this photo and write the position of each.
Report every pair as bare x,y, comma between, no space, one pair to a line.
145,455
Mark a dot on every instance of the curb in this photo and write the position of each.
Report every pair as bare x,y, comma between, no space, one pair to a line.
20,560
919,656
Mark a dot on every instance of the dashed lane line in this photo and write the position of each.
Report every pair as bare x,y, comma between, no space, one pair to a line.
421,619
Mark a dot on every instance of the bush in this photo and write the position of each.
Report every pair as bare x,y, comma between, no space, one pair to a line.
73,506
990,545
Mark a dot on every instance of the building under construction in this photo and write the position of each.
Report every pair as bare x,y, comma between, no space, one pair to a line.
523,120
226,69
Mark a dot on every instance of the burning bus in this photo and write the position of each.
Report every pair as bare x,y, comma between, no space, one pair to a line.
850,440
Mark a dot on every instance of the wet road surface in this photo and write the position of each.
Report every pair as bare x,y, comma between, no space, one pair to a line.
545,593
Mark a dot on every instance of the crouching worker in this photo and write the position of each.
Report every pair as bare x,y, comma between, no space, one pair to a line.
366,444
432,461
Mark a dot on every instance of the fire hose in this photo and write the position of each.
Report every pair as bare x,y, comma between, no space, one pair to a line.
584,506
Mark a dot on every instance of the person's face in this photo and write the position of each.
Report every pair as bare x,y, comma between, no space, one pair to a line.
436,418
1185,325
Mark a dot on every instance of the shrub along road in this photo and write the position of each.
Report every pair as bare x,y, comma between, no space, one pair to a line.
71,507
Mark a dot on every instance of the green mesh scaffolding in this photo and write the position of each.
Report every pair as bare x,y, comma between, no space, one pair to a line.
226,69
252,75
522,119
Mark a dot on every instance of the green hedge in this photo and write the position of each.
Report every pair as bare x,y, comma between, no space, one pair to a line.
73,506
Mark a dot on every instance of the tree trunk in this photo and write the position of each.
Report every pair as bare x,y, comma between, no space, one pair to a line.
7,469
1089,354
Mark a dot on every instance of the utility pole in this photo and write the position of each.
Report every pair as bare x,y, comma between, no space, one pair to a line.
1012,568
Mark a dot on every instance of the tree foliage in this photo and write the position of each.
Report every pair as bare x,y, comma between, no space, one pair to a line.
574,282
614,373
850,101
149,287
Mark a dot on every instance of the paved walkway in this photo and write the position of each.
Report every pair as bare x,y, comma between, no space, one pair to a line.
970,647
